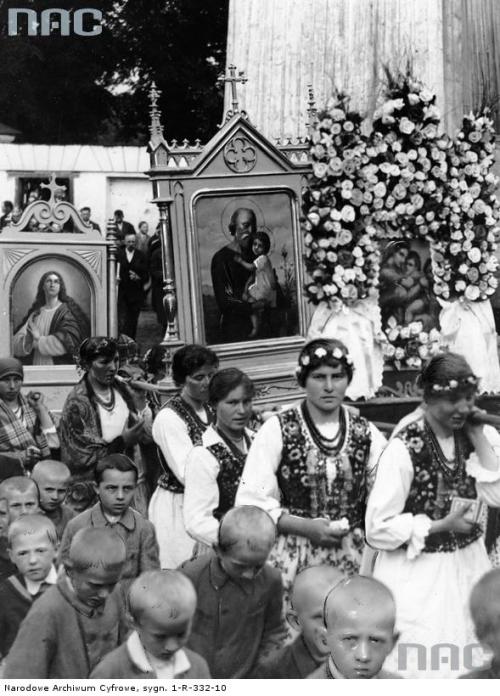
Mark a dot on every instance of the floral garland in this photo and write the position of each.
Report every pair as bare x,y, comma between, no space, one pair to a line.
463,251
410,346
408,163
341,257
406,181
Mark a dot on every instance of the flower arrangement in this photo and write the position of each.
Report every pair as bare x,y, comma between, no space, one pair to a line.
408,162
341,257
463,251
410,346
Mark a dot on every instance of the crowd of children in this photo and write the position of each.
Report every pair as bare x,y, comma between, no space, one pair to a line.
84,594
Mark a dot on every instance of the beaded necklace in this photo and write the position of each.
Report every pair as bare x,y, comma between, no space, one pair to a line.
232,443
449,467
331,446
107,404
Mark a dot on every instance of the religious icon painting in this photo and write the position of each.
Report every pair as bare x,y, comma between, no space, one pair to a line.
50,312
406,285
247,249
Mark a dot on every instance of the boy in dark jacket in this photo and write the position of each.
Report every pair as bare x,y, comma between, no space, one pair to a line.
309,649
238,619
32,544
74,624
162,605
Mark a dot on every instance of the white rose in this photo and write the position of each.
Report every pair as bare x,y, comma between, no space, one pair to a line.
348,214
472,292
406,126
474,255
426,95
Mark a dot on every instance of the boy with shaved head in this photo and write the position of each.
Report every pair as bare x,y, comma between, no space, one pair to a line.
74,624
238,620
162,605
309,650
32,543
22,497
485,610
52,479
359,616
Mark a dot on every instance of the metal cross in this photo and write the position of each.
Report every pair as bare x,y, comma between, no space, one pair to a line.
233,79
53,187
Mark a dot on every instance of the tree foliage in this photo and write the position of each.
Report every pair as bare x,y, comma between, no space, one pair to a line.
94,89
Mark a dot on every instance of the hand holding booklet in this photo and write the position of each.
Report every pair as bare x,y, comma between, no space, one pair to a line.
474,511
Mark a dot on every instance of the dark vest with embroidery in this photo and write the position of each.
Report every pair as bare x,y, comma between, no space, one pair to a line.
229,476
432,488
302,473
195,427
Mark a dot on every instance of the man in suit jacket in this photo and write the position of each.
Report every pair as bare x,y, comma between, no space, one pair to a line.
132,274
122,227
85,214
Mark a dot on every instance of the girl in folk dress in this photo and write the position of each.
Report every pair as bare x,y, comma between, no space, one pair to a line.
214,468
423,517
310,468
177,428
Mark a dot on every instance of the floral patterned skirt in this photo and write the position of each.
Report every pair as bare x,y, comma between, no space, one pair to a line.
292,553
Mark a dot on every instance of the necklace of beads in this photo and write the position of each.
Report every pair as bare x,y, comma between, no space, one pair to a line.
233,444
449,467
107,404
330,446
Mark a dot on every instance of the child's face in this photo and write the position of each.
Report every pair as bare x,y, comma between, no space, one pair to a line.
411,265
94,585
33,555
116,490
4,516
244,562
52,489
309,616
22,503
163,632
359,641
258,247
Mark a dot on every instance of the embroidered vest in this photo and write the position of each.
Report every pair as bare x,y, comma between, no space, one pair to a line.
230,471
432,489
302,472
195,427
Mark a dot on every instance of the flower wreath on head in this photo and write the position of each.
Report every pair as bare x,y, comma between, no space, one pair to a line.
454,384
313,358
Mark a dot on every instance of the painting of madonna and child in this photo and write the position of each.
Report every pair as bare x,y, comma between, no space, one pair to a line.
406,284
50,312
247,267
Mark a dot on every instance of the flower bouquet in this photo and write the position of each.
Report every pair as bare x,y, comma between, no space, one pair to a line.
410,346
407,160
341,257
463,257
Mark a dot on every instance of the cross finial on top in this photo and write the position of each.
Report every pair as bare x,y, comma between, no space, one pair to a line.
312,112
155,126
232,78
53,187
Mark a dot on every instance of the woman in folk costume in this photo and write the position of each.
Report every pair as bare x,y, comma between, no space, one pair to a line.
422,516
177,428
27,431
214,468
99,417
310,468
